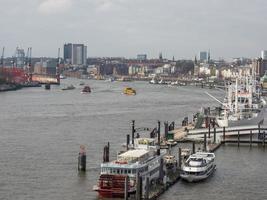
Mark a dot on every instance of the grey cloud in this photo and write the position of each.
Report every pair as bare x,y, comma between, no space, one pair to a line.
127,27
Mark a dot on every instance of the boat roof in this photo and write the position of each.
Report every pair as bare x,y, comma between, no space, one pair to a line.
202,155
135,153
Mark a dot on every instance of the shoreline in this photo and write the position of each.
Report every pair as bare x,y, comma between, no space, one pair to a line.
9,87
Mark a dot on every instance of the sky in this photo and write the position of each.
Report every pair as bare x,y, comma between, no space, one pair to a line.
125,28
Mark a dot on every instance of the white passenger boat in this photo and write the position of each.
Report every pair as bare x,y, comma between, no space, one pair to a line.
140,160
198,166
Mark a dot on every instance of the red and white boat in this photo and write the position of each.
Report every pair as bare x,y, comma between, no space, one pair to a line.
141,160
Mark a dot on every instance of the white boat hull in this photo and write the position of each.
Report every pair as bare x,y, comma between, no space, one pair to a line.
195,178
242,122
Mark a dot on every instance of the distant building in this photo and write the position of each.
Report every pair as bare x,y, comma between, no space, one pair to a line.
46,67
19,58
264,54
203,56
75,54
141,57
259,66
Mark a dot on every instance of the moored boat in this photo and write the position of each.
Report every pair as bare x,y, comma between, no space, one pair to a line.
70,87
243,104
86,90
198,166
47,86
129,91
61,76
141,160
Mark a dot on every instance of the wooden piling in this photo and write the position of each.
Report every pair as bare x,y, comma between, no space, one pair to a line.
126,183
158,150
194,147
250,139
238,138
139,188
214,136
209,129
82,159
161,172
133,131
147,188
106,153
223,134
166,129
205,142
263,139
127,142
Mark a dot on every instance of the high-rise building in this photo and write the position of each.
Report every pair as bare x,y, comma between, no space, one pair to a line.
259,66
141,57
264,54
203,56
75,54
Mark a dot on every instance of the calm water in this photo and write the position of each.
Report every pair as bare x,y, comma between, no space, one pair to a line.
41,132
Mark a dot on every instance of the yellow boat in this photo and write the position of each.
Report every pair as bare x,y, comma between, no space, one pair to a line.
129,91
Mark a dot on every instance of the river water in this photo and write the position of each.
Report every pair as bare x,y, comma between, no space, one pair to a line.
41,132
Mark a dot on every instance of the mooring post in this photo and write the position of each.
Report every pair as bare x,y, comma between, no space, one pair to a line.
139,188
82,159
263,139
133,131
214,136
223,134
180,157
147,188
238,138
158,150
106,153
205,142
166,128
127,141
194,147
126,188
209,129
250,139
161,172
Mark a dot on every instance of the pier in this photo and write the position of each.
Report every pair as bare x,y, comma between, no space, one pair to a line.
206,139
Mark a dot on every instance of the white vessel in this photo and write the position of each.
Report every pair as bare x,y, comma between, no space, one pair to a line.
198,166
140,160
154,80
61,76
242,105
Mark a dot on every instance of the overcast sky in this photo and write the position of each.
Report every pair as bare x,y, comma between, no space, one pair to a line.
180,28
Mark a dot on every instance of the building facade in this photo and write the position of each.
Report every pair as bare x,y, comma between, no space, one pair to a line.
75,54
264,54
203,56
141,57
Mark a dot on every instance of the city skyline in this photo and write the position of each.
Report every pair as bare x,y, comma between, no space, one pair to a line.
124,28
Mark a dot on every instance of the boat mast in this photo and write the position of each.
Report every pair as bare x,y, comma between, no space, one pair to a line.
236,97
230,93
2,64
